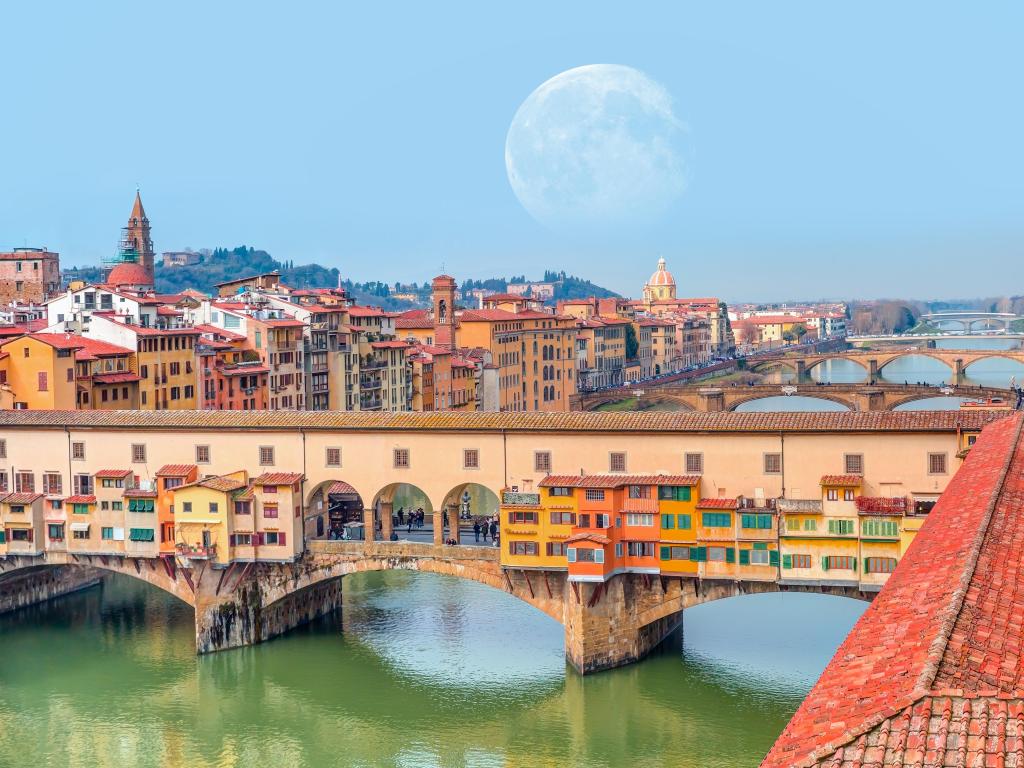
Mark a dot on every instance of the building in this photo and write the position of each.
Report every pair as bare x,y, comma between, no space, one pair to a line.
39,369
132,267
29,275
268,281
180,258
661,286
600,357
106,375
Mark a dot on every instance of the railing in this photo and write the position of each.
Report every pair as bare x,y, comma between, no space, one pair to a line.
520,499
196,552
639,505
319,368
745,503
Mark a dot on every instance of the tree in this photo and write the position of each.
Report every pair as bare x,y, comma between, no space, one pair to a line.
632,342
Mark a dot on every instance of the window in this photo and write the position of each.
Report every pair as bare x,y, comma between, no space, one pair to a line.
117,506
640,548
80,534
683,522
616,462
240,540
471,459
879,528
879,564
272,537
832,494
716,519
83,485
854,463
52,484
270,489
675,553
595,494
214,507
80,509
694,463
522,516
21,534
773,463
758,557
717,554
542,461
24,482
756,521
141,505
243,507
270,510
138,453
585,555
43,384
202,454
266,453
3,449
923,506
186,506
555,549
173,482
522,548
332,457
674,493
842,563
78,451
559,490
668,522
140,534
796,561
840,527
563,518
642,519
639,492
848,494
936,463
602,521
401,458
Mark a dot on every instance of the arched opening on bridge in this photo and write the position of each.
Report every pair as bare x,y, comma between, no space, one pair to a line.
839,370
405,510
995,371
931,404
469,504
916,369
334,510
789,404
654,402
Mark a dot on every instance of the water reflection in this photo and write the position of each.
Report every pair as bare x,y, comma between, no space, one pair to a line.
429,671
790,403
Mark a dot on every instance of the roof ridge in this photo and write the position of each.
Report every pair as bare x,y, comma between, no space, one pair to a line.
938,646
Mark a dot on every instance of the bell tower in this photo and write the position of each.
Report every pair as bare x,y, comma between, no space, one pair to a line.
136,236
443,292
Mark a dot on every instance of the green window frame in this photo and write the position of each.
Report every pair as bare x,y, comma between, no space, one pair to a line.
716,519
761,522
699,554
80,509
744,557
668,522
674,492
140,534
683,522
840,527
3,536
810,524
879,528
107,533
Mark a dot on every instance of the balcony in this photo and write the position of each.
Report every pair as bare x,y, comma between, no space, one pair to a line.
745,503
196,551
319,368
520,499
630,504
370,382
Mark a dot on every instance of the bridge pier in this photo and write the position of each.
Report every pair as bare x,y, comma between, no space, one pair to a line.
958,372
872,370
801,370
20,590
871,400
710,399
386,522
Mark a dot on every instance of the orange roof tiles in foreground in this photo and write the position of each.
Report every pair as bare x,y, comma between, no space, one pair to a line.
842,479
933,673
175,470
483,421
278,478
719,504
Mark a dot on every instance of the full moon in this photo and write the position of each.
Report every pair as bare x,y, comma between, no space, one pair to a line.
596,146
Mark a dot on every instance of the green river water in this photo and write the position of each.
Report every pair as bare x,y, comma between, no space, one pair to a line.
416,670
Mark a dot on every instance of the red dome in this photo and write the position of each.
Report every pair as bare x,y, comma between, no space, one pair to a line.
129,274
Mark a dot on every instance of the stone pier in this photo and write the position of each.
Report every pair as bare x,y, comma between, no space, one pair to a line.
25,588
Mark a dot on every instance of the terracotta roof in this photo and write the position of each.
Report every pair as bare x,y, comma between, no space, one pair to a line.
20,498
360,311
842,479
505,297
278,478
933,675
393,344
115,377
90,349
128,274
718,504
55,340
486,315
220,483
80,498
140,493
596,538
881,505
175,470
616,481
113,473
340,486
659,421
245,494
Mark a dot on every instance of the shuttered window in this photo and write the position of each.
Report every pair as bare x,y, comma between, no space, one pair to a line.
401,458
471,458
138,453
266,454
716,519
616,462
756,521
674,493
879,564
542,461
694,463
773,463
140,534
936,463
840,527
854,463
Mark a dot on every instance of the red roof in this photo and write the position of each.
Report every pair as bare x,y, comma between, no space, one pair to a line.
139,492
175,470
360,311
129,274
278,478
80,499
90,349
55,340
487,315
842,479
504,297
881,505
596,538
340,486
393,344
616,481
115,473
122,377
933,674
20,498
718,504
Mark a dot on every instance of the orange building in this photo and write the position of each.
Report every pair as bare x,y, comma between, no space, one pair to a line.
39,369
107,376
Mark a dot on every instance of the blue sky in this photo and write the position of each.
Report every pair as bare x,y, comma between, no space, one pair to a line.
865,150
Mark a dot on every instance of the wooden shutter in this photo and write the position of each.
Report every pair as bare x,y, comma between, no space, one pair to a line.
824,563
730,555
773,557
282,539
744,557
666,553
787,561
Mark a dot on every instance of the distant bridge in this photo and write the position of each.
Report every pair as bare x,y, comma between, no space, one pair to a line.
874,361
931,338
973,321
855,397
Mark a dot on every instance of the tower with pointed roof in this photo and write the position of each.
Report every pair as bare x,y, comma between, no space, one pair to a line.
136,237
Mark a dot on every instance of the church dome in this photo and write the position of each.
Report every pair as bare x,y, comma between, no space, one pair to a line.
662,276
129,273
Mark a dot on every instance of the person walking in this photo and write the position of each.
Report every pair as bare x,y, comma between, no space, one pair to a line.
410,522
494,532
476,530
401,514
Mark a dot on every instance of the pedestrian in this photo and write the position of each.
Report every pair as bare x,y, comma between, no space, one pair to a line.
401,514
494,532
483,528
410,522
476,530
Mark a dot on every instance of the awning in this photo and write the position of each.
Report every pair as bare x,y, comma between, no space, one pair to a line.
17,524
59,521
198,522
79,526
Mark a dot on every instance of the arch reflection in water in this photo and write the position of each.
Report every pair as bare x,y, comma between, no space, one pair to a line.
429,671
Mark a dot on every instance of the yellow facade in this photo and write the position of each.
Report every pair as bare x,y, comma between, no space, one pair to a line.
541,520
677,548
40,371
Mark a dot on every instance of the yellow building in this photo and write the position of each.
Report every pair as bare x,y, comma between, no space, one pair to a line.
40,370
535,526
202,511
677,505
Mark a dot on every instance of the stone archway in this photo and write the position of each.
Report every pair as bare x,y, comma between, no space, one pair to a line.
404,498
465,503
331,509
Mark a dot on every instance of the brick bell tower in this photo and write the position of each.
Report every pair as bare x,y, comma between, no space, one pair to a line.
443,291
137,236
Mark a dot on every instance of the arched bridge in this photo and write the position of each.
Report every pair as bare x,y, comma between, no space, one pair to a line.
973,321
855,397
874,361
606,625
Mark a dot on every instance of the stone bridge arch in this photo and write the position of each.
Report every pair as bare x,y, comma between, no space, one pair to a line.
1000,354
813,394
330,505
654,397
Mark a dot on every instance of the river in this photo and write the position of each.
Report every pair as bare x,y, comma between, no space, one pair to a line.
417,670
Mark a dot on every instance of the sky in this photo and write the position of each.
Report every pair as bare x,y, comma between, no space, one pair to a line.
833,150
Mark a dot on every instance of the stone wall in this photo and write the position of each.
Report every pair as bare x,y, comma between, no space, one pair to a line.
25,588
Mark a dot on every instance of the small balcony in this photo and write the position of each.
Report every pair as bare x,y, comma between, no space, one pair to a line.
196,551
745,503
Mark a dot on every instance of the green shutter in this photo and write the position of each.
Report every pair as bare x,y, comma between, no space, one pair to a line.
747,521
666,553
773,557
667,522
3,536
854,561
744,557
141,534
684,493
702,554
730,555
683,522
761,545
787,561
824,563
